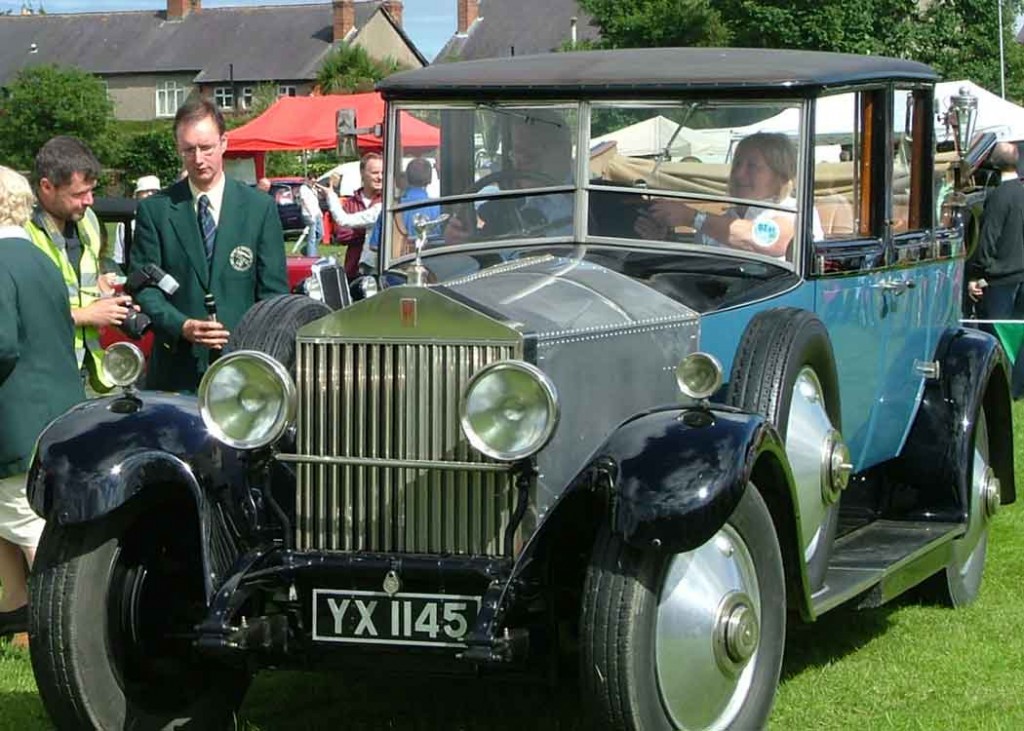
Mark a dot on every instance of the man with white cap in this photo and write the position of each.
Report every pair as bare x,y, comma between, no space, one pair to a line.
146,186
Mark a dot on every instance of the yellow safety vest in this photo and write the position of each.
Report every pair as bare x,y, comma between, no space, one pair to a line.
45,235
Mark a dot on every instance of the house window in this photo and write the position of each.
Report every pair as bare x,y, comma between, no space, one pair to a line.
286,90
245,95
224,96
169,96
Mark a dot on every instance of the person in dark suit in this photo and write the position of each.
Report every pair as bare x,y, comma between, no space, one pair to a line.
39,380
215,236
995,274
995,277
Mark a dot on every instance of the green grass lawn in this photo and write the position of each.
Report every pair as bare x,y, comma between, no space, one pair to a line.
903,666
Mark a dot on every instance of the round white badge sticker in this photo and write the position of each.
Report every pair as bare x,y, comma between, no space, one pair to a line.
766,232
241,258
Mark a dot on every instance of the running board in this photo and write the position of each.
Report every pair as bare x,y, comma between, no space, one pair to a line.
882,560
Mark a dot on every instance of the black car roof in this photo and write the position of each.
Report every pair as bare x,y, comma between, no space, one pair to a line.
651,71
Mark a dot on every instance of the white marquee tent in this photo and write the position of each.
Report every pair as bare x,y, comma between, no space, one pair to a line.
833,121
647,138
835,114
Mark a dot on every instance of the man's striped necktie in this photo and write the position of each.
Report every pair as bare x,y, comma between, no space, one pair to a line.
207,226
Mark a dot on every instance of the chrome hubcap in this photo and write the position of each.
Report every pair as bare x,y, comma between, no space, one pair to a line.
737,631
969,551
990,493
708,632
835,468
818,458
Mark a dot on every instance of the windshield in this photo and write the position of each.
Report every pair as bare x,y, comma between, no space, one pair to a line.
502,172
700,173
707,173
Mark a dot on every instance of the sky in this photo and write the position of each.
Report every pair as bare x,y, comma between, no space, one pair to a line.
428,22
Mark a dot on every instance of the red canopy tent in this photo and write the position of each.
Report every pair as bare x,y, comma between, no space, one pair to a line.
309,123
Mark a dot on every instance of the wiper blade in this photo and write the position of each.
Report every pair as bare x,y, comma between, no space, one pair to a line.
667,152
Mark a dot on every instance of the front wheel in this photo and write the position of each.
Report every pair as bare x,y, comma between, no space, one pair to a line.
785,370
686,641
112,615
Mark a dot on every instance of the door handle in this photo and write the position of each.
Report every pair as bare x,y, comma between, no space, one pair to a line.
896,286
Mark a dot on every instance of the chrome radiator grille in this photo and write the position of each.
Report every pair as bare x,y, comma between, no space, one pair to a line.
394,402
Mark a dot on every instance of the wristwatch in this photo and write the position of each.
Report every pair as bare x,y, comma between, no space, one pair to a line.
698,220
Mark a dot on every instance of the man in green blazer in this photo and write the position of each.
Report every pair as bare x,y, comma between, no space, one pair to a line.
215,236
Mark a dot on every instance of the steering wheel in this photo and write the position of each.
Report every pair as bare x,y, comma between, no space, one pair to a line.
503,216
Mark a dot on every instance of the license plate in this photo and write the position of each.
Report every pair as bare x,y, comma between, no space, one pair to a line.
374,617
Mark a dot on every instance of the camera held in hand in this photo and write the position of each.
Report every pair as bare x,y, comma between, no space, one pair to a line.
137,323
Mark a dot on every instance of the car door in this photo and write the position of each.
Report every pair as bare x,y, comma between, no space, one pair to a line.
920,279
859,296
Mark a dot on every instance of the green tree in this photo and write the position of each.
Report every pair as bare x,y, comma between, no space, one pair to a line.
959,38
350,69
44,101
964,43
658,23
152,152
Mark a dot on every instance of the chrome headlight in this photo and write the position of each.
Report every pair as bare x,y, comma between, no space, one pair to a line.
247,399
699,375
122,364
509,410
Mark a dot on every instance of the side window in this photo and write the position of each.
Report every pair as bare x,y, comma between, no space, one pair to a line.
838,138
913,186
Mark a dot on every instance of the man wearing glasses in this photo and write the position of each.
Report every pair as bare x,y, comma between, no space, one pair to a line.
216,237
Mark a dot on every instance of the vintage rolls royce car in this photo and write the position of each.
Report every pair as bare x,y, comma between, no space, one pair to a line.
608,405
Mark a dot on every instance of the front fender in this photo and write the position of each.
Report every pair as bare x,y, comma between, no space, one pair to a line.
101,453
678,474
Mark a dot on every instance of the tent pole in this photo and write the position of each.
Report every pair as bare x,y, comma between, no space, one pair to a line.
1002,58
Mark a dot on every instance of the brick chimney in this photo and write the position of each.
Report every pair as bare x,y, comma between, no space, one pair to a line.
394,8
178,9
468,12
344,18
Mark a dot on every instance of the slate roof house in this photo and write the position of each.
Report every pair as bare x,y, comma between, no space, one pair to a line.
151,60
496,28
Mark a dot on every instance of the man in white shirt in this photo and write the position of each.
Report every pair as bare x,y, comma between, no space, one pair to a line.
311,215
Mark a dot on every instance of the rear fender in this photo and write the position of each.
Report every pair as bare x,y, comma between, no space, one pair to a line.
973,371
678,474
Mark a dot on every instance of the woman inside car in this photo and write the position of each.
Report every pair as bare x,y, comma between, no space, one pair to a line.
763,169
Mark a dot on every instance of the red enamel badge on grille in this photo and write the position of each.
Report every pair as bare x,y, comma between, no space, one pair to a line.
407,308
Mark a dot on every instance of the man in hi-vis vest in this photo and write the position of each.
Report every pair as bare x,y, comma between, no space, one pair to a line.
65,228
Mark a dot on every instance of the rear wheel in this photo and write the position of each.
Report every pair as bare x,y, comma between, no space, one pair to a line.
784,369
685,641
113,610
959,583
